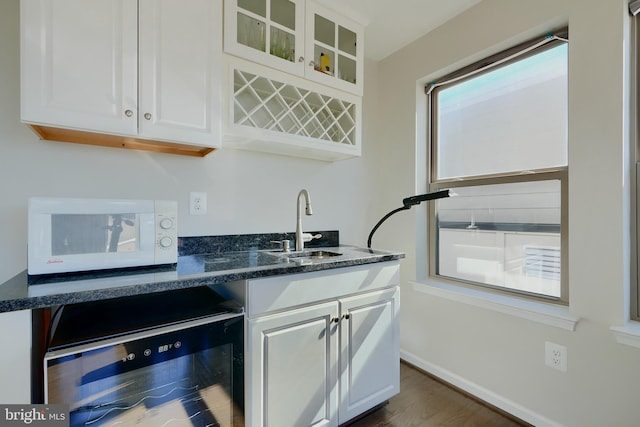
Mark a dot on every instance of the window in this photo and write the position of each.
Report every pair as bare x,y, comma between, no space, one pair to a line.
498,137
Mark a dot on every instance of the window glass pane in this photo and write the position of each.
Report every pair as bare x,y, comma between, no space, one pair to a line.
502,235
513,118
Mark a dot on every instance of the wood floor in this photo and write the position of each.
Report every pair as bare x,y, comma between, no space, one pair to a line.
423,402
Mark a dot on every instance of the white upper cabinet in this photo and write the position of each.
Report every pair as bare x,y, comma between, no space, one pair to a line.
295,79
79,64
148,70
180,46
298,37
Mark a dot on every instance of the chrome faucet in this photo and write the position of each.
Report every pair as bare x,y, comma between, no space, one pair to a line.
308,211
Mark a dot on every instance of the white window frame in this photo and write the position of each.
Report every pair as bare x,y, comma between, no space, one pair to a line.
435,184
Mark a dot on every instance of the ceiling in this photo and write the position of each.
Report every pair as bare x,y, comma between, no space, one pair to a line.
392,24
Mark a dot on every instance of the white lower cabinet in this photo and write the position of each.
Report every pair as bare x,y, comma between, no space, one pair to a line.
15,358
294,370
369,351
323,347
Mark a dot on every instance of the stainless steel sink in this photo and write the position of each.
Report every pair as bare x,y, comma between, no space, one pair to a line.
319,254
308,255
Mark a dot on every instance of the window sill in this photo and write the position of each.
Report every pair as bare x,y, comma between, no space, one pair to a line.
548,314
629,334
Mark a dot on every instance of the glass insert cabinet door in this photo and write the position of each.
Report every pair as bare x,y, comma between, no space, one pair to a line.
298,37
334,49
270,32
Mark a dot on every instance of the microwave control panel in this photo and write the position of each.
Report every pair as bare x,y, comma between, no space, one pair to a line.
166,221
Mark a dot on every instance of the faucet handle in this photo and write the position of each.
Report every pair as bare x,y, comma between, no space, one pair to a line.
307,237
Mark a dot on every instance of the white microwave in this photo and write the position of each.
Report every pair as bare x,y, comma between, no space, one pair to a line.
71,235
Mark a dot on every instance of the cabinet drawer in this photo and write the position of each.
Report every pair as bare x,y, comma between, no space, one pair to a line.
283,292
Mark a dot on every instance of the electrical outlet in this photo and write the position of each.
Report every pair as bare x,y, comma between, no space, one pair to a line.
197,203
555,356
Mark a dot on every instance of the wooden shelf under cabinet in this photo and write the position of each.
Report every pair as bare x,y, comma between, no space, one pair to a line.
50,133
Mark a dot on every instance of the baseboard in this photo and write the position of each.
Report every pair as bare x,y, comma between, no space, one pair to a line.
479,392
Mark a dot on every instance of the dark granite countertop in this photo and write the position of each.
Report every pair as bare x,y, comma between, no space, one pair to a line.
202,261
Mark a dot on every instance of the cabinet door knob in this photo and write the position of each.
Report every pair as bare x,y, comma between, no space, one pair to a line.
312,64
128,113
301,59
335,320
147,116
346,316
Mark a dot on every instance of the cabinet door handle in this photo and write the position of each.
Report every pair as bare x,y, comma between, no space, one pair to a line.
128,113
301,59
312,64
147,116
345,316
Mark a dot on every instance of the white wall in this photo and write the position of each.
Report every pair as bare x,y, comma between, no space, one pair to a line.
496,354
247,192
